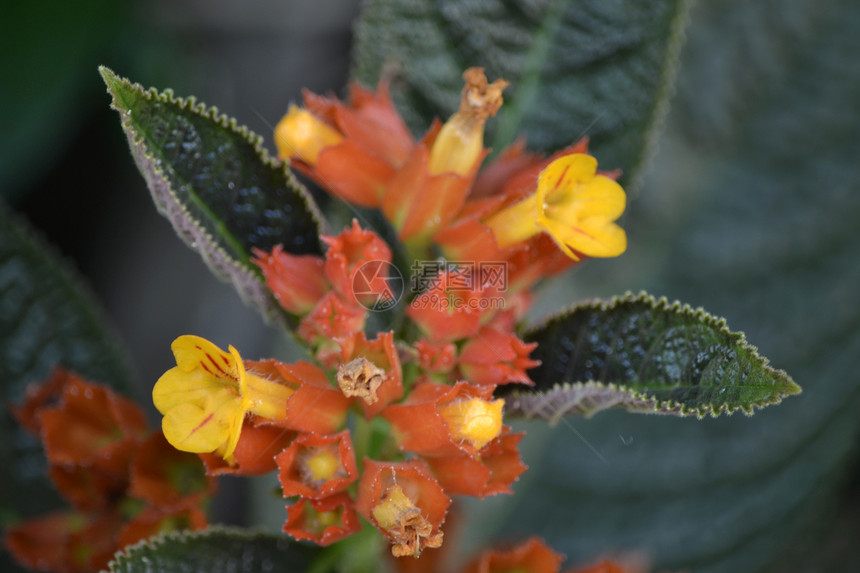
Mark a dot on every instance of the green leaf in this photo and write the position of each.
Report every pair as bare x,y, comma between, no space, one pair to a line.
215,550
645,355
47,318
756,195
586,67
217,185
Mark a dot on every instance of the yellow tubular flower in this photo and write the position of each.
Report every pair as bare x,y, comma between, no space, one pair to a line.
300,135
573,204
461,140
204,399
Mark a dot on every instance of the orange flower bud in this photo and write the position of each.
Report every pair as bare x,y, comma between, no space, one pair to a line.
347,254
358,147
370,121
496,357
297,281
333,317
446,312
436,356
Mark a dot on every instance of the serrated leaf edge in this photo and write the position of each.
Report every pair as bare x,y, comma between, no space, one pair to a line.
247,280
529,404
184,537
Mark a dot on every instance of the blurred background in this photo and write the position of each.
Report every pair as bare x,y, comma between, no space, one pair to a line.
67,168
750,209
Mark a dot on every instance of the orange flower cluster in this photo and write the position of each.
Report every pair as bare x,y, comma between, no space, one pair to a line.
124,483
432,191
422,396
442,439
387,425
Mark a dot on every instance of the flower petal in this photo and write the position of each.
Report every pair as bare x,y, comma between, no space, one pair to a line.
199,428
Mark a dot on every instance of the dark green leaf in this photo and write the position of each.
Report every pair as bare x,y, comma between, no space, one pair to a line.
216,184
645,355
756,183
46,319
586,67
216,550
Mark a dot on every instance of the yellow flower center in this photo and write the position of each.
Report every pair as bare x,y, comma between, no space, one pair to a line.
474,420
320,465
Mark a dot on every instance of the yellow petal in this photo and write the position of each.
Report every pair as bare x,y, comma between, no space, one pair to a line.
204,398
193,352
578,207
598,197
516,223
564,173
301,135
192,380
595,238
201,428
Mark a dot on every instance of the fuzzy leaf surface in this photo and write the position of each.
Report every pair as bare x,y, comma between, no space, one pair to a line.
576,67
216,184
47,318
754,202
645,355
216,550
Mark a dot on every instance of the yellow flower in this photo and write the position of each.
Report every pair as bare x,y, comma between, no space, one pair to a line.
300,135
204,399
573,204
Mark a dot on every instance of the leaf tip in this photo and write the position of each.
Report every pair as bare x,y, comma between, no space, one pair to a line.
109,76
